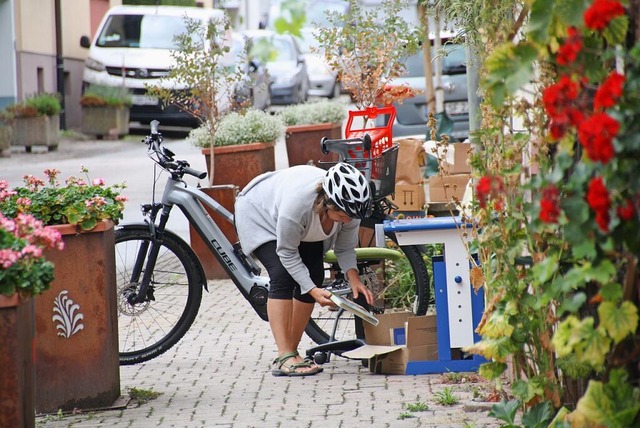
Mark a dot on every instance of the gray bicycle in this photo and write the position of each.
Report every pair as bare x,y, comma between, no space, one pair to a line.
160,279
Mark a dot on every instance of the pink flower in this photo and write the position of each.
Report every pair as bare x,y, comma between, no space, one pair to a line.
98,182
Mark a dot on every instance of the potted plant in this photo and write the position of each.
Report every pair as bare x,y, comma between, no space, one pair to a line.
36,121
105,111
5,134
25,273
76,318
206,74
244,147
306,125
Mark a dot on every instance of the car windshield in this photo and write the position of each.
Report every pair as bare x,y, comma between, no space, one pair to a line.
317,11
453,62
141,31
280,48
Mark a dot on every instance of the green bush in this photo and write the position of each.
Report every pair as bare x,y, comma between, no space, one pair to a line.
310,113
100,95
44,104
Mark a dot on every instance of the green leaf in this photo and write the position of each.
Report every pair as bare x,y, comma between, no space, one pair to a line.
616,31
492,370
611,292
620,321
540,20
572,304
544,270
538,416
569,12
585,250
505,411
594,344
564,339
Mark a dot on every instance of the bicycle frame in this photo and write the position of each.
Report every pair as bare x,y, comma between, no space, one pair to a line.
192,202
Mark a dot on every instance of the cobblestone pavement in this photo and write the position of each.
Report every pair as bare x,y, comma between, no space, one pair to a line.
219,375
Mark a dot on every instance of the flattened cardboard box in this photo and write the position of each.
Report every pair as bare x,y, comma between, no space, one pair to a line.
421,343
409,197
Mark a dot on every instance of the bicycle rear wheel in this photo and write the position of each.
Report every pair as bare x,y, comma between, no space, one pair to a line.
401,284
148,329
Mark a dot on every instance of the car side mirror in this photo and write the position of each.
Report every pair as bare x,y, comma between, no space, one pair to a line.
85,42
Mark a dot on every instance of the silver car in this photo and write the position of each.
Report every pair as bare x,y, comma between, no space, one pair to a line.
412,113
323,80
286,65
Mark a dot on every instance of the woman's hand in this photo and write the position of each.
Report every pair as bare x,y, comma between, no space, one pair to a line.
323,297
358,287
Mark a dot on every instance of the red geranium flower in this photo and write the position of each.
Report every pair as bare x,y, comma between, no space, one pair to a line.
601,12
596,136
609,91
599,201
626,211
557,98
487,187
549,207
568,52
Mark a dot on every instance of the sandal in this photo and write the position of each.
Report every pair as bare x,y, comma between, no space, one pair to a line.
291,369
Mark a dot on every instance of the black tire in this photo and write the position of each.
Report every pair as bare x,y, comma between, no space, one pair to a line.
417,298
148,329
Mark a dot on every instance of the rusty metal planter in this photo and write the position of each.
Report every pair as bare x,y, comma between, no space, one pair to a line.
238,164
17,387
76,324
303,143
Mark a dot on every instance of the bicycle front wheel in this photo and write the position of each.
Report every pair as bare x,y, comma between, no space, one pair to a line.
148,329
401,284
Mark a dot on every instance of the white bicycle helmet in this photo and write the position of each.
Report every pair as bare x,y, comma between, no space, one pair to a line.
348,189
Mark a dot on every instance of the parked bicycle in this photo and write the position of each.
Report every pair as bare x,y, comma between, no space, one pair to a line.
160,279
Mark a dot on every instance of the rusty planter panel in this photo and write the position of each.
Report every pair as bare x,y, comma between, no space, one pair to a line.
76,326
239,164
17,387
303,143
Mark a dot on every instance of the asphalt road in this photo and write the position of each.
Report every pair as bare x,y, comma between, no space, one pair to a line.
117,161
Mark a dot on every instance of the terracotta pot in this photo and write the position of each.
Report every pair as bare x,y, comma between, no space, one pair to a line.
226,196
239,164
17,387
77,364
303,143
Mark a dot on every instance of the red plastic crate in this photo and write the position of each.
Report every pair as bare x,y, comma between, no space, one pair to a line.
381,137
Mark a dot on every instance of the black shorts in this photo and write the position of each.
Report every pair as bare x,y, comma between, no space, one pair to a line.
281,284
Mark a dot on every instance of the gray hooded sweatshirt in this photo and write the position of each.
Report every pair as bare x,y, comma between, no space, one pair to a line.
278,206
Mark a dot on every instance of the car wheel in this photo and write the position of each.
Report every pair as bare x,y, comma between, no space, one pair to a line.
335,93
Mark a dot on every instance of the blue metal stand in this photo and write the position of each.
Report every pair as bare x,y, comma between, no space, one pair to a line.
459,308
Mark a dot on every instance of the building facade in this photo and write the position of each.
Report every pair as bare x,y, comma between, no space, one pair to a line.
33,48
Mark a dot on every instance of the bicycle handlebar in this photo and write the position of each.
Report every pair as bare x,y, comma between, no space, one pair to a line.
164,156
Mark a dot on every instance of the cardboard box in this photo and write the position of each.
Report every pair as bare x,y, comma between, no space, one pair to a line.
447,187
420,335
456,156
409,197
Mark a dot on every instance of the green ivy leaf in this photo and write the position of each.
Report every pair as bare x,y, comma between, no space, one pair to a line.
620,321
614,404
585,249
563,339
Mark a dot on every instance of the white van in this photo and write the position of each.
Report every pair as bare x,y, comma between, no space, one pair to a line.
132,48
